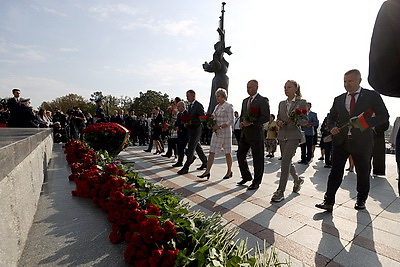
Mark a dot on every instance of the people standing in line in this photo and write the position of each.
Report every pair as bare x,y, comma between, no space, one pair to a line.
89,119
221,133
254,113
149,137
236,128
379,150
142,129
289,136
172,136
195,110
77,122
352,140
100,116
59,116
13,105
156,129
271,128
306,148
326,143
183,137
315,136
131,125
42,120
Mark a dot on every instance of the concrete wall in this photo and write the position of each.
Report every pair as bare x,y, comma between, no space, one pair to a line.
24,156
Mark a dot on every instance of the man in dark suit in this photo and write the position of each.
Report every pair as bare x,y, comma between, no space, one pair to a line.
182,133
353,140
195,110
14,105
252,135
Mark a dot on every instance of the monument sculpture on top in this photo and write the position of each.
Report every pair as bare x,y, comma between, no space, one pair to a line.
218,64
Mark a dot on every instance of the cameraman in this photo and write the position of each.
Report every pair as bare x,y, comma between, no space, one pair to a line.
77,123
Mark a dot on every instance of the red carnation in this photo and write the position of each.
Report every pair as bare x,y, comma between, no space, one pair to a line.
304,111
254,110
298,111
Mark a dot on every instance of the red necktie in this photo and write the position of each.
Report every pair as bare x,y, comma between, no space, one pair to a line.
249,102
352,102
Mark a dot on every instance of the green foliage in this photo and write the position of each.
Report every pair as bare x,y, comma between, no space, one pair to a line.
146,101
68,101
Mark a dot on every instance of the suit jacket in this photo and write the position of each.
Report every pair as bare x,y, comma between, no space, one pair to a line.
195,111
313,121
256,130
13,107
290,131
339,116
182,131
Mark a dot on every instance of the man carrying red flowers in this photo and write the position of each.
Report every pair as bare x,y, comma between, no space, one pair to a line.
353,138
255,112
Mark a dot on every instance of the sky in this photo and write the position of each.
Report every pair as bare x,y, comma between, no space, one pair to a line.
53,48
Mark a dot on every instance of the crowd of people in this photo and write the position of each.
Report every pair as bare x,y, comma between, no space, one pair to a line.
352,131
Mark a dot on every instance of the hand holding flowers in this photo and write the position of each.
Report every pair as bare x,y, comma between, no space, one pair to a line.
250,116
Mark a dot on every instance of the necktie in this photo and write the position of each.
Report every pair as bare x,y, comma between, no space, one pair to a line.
190,107
352,102
249,102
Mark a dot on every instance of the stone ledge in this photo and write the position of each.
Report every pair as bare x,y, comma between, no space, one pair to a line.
16,144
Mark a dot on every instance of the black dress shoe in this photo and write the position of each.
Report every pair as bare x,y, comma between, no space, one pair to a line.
325,206
183,171
146,150
177,165
253,187
360,204
228,176
202,167
243,181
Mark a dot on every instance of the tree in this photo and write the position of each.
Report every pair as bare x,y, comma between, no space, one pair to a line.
69,101
146,101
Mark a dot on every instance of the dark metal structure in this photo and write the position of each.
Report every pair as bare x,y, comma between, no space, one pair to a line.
218,65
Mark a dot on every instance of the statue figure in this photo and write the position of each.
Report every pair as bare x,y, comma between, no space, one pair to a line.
218,64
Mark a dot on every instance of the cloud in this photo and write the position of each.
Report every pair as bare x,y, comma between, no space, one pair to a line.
54,12
22,51
67,50
186,27
107,11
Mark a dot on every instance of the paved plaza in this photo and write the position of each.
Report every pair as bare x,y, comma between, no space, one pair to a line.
71,231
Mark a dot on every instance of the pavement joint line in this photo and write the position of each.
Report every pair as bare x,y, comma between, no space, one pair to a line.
246,224
357,239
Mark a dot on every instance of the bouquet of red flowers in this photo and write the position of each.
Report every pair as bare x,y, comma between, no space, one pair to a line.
251,115
185,118
298,114
111,137
209,118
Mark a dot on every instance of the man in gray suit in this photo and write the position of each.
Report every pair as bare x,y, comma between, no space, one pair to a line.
194,129
252,135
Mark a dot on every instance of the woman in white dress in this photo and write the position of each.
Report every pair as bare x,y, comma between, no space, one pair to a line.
222,133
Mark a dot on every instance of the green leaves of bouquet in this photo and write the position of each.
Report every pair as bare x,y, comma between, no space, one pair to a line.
110,137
